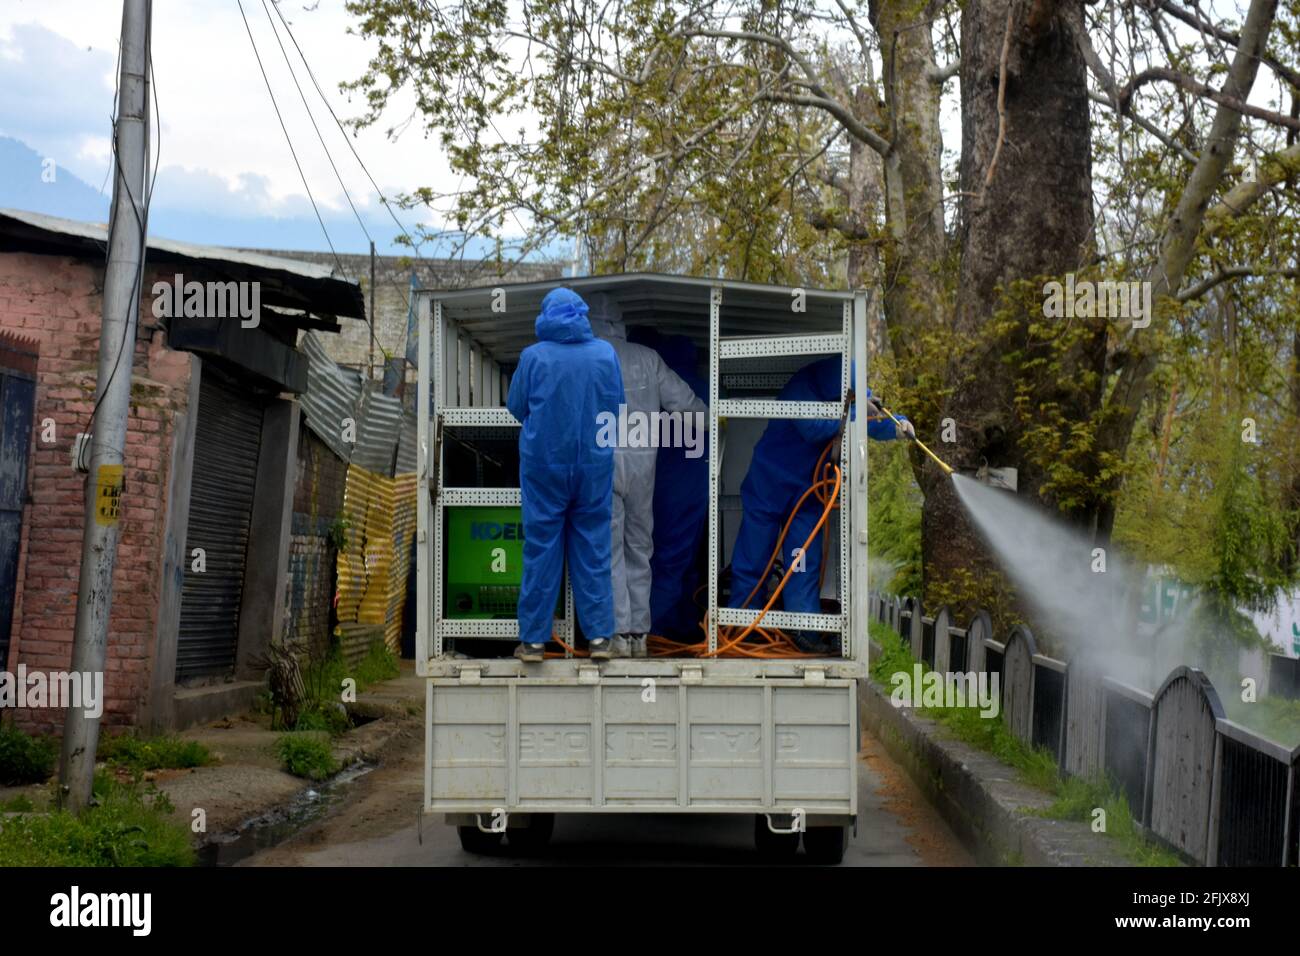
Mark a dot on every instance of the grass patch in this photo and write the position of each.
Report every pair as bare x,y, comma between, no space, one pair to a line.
323,677
19,804
139,754
306,755
379,664
329,717
1075,798
130,826
25,758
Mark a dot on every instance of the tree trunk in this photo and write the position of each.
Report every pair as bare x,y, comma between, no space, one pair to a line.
913,255
1025,214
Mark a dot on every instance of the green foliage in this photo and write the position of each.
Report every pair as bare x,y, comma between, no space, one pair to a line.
306,755
666,140
25,758
1276,718
139,754
323,677
894,504
319,715
338,532
19,804
128,826
379,664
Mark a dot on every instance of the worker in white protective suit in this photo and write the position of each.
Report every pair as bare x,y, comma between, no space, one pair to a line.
651,388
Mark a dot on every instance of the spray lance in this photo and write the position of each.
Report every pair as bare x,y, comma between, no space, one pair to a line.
920,444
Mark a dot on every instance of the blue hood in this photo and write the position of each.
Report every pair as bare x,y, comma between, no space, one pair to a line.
563,318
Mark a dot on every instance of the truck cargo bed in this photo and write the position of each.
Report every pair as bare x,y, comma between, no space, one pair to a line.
635,738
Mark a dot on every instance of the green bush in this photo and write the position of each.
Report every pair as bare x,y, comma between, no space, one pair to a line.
306,755
24,758
19,804
138,754
318,715
128,827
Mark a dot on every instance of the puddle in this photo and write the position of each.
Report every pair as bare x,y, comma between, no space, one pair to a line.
269,829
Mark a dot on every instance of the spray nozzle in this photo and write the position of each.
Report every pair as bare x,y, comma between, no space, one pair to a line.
919,444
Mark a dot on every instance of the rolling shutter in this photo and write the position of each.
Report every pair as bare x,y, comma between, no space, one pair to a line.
226,444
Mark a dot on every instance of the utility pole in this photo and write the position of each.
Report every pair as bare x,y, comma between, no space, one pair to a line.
104,484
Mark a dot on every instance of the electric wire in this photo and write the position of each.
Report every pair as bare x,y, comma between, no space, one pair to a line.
288,140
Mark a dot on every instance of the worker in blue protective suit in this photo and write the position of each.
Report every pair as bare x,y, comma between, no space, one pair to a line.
565,382
650,388
779,473
681,505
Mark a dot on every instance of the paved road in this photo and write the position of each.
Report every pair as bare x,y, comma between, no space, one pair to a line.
375,825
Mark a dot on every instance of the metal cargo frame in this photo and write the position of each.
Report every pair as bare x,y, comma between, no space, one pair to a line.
469,336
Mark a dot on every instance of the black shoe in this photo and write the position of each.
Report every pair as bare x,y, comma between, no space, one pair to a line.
531,653
819,644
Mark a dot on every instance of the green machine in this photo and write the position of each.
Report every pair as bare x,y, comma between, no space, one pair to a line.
484,562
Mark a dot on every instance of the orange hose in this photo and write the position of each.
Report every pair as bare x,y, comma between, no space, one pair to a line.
771,643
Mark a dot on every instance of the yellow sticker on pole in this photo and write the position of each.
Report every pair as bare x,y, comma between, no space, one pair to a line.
108,494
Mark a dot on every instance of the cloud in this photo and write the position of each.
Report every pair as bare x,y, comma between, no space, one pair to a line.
38,68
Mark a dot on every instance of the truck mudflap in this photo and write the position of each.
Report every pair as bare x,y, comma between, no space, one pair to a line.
655,743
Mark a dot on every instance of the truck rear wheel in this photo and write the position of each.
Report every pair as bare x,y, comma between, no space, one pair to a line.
474,840
825,845
774,846
535,836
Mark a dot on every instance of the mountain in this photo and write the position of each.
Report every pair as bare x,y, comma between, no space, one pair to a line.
23,185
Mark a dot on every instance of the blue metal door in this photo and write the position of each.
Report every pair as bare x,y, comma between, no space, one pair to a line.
17,402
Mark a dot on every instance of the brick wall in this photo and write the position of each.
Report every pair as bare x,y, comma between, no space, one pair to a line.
57,301
317,502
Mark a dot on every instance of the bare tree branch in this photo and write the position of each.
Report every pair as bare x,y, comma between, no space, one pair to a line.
1192,85
1231,272
819,98
1227,36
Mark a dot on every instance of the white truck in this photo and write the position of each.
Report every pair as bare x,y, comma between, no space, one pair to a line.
508,745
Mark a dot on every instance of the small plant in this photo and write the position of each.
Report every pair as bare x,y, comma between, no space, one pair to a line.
332,718
306,755
139,754
338,532
25,758
379,664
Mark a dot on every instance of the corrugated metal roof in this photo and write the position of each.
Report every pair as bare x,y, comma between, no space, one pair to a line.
378,427
407,456
671,304
302,285
333,395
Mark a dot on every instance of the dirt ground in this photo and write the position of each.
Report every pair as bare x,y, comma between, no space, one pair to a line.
377,823
927,831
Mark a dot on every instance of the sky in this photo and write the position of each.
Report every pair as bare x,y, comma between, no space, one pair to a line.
227,176
226,169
